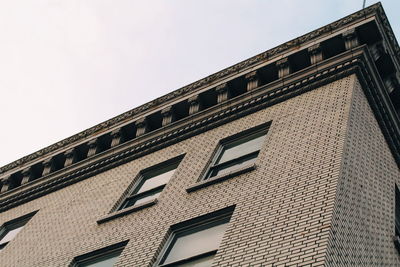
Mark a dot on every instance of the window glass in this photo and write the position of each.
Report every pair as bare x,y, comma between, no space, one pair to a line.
10,235
195,243
105,257
237,153
10,229
247,145
106,261
234,165
156,180
397,210
150,185
143,199
202,262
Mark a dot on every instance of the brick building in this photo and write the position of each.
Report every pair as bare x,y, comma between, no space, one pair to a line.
289,158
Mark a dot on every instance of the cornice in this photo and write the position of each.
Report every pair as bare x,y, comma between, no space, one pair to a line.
389,32
191,88
357,61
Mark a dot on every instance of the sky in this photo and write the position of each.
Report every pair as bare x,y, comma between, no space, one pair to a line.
67,65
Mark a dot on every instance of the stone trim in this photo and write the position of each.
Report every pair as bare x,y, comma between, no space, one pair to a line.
93,147
48,166
194,104
284,68
126,211
357,61
70,157
222,93
316,55
253,80
168,116
141,126
26,175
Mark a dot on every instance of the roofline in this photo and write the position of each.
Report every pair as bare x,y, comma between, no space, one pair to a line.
275,52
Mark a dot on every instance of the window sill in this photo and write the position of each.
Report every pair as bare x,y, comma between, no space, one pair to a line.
126,211
220,178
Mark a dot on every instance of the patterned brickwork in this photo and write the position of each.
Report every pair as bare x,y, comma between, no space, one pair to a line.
363,220
283,207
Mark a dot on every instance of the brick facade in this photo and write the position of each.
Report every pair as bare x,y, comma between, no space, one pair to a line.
363,218
321,192
283,208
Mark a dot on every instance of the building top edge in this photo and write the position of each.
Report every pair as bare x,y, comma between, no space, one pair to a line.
275,52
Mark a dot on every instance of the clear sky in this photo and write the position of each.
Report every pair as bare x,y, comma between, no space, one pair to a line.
66,65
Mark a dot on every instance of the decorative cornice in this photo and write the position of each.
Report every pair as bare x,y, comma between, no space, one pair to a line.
356,61
388,30
269,54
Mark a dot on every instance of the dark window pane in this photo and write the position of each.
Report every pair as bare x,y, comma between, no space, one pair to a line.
397,210
195,243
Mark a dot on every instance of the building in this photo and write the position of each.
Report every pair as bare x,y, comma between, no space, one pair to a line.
289,158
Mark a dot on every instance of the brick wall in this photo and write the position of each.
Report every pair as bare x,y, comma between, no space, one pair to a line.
363,220
283,208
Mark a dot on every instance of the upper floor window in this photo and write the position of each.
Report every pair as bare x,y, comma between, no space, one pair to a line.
397,211
196,242
10,229
150,184
397,218
105,257
237,151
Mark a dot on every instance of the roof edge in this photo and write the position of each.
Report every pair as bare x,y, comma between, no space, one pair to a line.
192,87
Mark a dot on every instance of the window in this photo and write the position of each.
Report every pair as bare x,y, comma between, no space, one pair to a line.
105,257
10,229
237,151
397,211
396,238
150,184
196,242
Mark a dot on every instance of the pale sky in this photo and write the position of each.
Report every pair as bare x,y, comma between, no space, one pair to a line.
67,65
